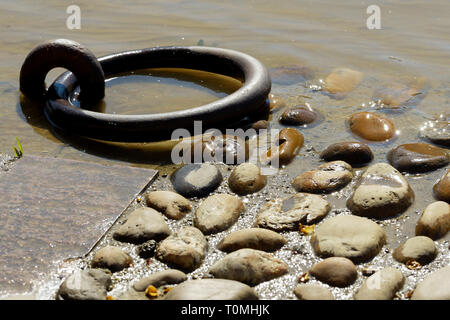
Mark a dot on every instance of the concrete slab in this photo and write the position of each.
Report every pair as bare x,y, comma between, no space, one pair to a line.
53,209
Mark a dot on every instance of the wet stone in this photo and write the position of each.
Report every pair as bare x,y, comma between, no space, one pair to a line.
299,115
418,157
397,94
89,284
288,75
246,179
354,153
306,291
196,180
286,213
382,285
161,278
211,289
435,286
184,249
434,221
343,80
275,102
285,147
111,258
249,266
371,126
253,238
142,225
169,203
327,178
147,249
260,124
356,238
335,271
217,213
441,189
421,249
437,130
382,192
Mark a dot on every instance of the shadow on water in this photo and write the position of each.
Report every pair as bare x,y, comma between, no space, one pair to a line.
158,149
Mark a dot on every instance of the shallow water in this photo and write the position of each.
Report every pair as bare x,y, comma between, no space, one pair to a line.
413,44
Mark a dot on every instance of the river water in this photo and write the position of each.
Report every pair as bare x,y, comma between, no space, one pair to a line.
412,45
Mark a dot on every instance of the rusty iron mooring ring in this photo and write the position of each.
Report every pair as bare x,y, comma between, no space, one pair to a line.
138,128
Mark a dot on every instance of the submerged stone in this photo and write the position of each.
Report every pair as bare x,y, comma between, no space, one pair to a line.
287,75
437,130
343,80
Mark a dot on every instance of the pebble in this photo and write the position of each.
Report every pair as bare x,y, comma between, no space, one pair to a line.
89,284
381,192
354,153
327,178
253,238
437,130
142,224
217,213
249,266
371,126
171,204
397,94
299,115
306,291
288,75
343,80
184,249
286,213
161,278
356,238
260,124
196,180
288,144
441,189
435,286
418,157
335,271
434,221
382,285
111,258
421,249
275,102
246,178
211,289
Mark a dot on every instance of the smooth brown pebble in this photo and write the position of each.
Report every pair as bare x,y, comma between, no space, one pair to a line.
307,291
246,178
371,126
299,115
354,153
418,157
169,203
441,189
335,271
434,221
111,258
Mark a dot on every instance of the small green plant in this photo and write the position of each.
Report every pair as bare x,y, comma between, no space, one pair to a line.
18,152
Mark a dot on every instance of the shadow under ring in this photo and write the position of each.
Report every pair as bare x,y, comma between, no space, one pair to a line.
247,100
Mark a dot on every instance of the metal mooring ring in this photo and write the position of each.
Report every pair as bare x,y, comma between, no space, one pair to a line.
66,54
247,100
